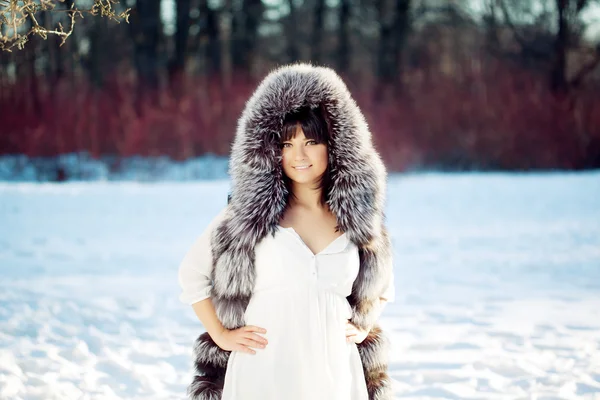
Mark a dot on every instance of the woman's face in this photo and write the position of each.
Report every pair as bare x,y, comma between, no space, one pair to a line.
304,160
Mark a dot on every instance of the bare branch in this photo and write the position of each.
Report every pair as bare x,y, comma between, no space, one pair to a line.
14,15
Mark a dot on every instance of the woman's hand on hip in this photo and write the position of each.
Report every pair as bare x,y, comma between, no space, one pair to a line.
354,334
242,339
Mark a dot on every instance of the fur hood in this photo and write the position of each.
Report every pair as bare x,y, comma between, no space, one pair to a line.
258,199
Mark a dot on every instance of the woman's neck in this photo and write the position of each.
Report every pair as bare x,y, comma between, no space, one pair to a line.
306,196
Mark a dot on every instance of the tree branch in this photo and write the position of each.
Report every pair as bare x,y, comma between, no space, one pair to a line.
15,14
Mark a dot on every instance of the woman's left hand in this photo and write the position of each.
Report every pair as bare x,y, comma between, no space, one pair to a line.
354,334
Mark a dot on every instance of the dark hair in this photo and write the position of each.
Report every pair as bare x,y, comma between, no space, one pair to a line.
315,127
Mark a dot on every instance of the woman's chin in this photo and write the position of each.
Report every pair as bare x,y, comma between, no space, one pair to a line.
304,180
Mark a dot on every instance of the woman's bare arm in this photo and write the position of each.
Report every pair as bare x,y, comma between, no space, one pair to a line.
205,311
241,339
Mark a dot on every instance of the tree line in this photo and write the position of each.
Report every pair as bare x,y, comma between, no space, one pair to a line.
509,84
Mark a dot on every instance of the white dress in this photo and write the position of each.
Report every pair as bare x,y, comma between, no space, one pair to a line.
300,299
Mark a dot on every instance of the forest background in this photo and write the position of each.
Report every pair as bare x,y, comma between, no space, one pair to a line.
446,85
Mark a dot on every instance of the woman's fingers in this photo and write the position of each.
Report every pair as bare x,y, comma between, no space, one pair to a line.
250,343
256,338
245,339
252,328
244,349
248,333
351,337
351,332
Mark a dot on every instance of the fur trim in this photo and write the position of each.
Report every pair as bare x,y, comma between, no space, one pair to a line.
375,272
209,355
374,355
205,388
374,350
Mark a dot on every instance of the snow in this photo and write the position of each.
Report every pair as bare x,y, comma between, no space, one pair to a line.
82,167
497,280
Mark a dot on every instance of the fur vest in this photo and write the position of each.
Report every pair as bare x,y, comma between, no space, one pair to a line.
258,199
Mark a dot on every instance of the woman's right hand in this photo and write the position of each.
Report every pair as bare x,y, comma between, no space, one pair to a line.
242,339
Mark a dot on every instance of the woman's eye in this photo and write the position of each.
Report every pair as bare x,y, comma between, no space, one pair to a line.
285,145
311,142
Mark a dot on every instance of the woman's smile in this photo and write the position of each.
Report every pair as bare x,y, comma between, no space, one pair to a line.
304,160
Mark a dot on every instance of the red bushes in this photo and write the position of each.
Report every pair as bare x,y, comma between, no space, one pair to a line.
499,118
76,116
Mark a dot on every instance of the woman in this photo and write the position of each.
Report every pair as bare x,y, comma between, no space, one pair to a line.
290,278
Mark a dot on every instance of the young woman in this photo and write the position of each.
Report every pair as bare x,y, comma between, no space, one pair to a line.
291,276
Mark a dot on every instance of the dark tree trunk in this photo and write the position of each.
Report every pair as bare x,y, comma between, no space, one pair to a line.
253,9
558,80
146,29
343,57
385,53
401,29
245,24
237,34
210,25
292,34
94,60
392,39
318,31
182,34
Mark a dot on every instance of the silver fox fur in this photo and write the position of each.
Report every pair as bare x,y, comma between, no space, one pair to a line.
258,199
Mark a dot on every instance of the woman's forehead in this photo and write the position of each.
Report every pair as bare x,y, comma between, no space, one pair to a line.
297,135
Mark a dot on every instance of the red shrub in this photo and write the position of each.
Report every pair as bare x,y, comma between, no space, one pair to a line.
496,117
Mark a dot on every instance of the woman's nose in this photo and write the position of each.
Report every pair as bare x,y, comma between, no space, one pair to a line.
300,153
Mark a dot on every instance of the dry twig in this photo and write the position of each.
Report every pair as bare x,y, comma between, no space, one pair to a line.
18,19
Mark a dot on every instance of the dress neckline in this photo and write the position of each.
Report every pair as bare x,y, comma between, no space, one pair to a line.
293,231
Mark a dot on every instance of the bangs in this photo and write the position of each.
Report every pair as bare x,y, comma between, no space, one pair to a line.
310,120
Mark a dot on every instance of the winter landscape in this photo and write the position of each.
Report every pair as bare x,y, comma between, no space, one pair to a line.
115,136
497,279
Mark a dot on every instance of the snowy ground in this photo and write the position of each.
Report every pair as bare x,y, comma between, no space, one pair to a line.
497,279
83,167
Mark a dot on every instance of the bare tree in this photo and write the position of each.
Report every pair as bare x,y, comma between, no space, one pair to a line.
343,55
292,33
246,19
182,33
394,20
318,32
561,25
210,30
146,31
401,30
